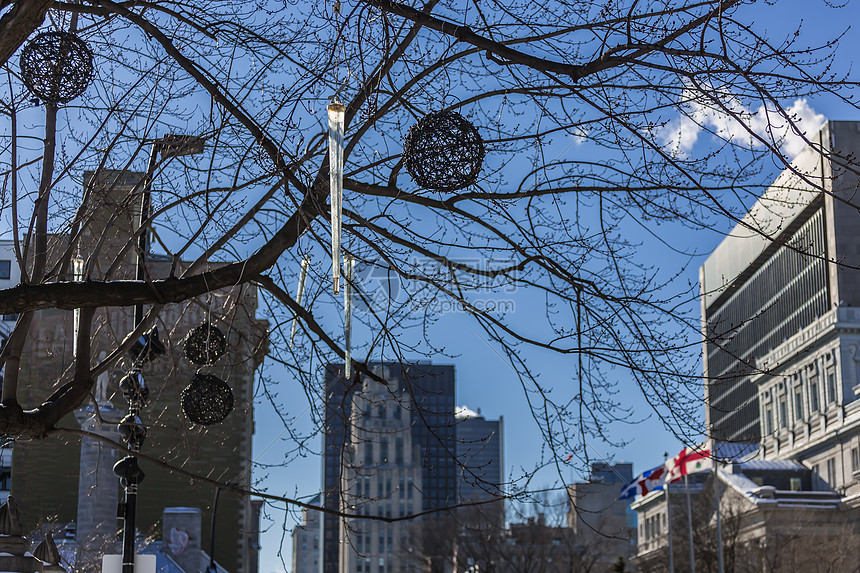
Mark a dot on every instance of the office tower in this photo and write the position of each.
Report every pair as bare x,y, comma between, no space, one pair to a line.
46,472
598,519
770,278
480,453
783,319
389,450
306,541
480,469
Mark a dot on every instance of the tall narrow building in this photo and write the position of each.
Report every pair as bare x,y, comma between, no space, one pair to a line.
481,468
389,451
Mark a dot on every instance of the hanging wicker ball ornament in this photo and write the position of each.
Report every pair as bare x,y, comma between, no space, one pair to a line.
205,344
57,66
443,151
207,400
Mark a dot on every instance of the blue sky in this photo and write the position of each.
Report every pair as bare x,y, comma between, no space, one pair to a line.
484,379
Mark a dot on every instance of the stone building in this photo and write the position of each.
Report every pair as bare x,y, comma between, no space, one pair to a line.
598,519
772,518
78,486
306,541
783,318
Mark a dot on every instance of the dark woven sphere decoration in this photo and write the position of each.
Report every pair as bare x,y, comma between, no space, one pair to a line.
205,344
207,400
443,151
57,66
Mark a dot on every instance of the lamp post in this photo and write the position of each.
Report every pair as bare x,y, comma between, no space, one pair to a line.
131,427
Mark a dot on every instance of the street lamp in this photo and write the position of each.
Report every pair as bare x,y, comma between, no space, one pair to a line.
131,427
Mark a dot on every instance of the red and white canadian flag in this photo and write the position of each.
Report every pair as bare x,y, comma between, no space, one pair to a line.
688,461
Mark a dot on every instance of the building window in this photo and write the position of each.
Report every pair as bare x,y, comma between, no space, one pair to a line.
831,472
398,450
855,460
831,386
768,421
5,270
783,413
383,450
368,455
813,395
798,404
398,412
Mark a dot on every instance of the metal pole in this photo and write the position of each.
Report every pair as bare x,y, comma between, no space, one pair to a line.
129,527
129,515
719,527
212,568
690,525
668,524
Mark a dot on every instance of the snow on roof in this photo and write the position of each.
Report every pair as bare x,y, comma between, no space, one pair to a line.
734,451
775,465
769,495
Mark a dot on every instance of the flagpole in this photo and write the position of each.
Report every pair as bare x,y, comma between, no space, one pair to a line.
690,524
719,528
669,519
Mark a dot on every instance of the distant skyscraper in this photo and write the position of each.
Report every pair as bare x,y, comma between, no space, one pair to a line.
481,467
306,541
389,450
600,521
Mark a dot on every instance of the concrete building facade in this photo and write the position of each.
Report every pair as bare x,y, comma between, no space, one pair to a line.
78,485
781,318
597,518
306,541
792,260
388,451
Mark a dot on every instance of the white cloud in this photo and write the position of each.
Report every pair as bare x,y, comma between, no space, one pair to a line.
463,412
734,122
